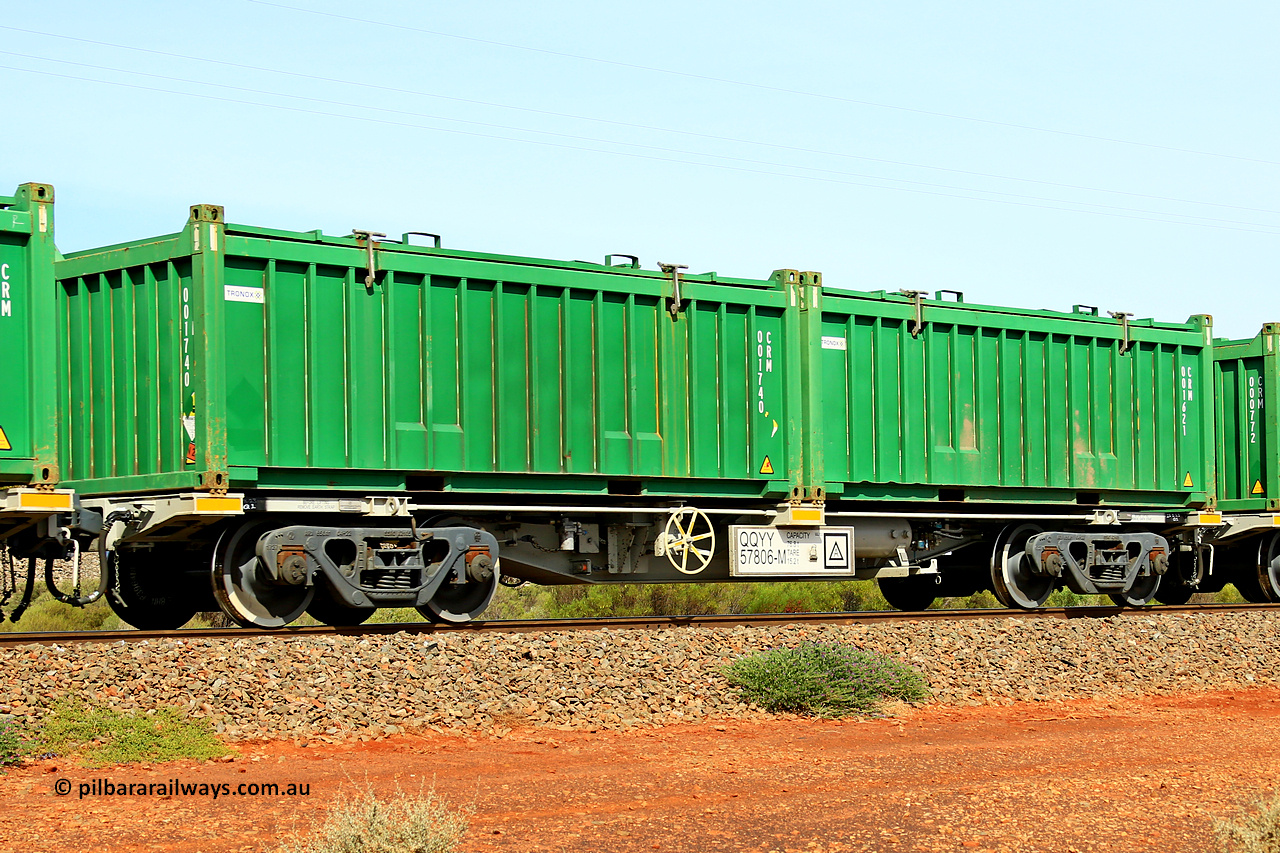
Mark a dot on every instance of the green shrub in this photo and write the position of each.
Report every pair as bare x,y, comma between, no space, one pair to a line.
46,614
1258,832
1066,598
824,679
13,743
1228,595
104,736
400,824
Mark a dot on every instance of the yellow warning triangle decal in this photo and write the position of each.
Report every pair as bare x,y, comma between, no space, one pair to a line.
4,441
1257,487
1186,481
767,467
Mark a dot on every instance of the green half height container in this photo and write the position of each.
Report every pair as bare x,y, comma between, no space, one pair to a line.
1248,384
29,346
227,356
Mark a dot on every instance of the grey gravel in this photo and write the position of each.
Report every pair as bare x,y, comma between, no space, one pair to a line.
366,687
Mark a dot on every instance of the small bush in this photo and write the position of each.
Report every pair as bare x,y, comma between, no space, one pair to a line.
1066,598
401,824
1228,595
13,744
104,736
825,679
1252,833
46,614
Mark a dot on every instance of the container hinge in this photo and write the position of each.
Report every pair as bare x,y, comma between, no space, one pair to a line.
676,303
917,297
369,243
1123,317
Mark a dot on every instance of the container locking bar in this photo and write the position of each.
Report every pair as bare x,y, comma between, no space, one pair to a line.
372,272
1123,317
674,271
916,296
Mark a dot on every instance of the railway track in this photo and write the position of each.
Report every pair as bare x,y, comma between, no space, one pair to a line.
618,622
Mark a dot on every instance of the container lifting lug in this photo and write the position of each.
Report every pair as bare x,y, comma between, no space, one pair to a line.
676,302
917,297
372,269
1123,317
435,238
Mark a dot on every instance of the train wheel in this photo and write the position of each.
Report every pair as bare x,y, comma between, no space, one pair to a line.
910,593
148,589
324,607
455,604
1011,578
1144,590
1173,589
1245,566
243,588
1268,567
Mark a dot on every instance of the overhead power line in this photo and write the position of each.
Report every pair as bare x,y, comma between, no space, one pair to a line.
605,121
1152,216
762,86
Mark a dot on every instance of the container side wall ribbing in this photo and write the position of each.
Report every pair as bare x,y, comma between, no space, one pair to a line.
994,404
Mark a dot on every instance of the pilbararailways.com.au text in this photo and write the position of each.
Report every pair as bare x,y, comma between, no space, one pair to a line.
179,788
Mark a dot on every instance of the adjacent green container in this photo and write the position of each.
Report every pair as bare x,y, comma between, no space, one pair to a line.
933,400
251,358
1247,382
28,346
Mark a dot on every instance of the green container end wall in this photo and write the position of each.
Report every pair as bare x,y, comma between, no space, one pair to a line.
997,404
453,370
1246,381
28,350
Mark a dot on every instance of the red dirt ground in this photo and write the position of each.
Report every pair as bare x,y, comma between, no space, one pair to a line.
1145,774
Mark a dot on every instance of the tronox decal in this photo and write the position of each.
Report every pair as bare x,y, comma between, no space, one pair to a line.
233,293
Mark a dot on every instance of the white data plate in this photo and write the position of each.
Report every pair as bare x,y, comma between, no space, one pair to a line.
790,551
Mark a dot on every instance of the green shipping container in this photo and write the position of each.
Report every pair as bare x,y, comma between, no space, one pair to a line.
936,400
229,356
1246,381
28,351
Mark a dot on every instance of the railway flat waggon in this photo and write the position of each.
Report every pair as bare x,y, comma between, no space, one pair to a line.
276,422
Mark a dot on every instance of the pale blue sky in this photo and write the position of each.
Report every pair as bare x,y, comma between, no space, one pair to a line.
1118,154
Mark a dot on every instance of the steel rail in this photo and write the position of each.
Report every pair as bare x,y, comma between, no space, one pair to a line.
650,623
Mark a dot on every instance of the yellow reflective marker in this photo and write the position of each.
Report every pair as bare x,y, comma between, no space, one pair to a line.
1210,518
1257,487
4,441
44,500
767,467
218,505
806,515
1186,481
